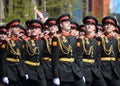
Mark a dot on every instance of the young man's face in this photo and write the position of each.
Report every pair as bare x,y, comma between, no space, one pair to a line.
3,36
15,30
65,25
36,31
53,29
90,27
108,27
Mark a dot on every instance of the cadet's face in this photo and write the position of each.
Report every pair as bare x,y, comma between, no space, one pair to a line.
15,30
109,28
53,29
29,32
36,31
66,25
3,36
73,32
90,27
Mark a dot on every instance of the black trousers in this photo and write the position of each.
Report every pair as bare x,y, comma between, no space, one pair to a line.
31,82
112,82
96,82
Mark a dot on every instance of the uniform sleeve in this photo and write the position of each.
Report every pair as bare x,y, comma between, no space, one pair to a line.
55,57
4,53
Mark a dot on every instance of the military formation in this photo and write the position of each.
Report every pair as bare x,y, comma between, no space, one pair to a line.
60,52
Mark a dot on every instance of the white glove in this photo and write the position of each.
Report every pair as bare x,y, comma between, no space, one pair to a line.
83,79
5,80
26,76
56,81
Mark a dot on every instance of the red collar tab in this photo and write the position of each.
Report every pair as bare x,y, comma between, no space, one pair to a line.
65,34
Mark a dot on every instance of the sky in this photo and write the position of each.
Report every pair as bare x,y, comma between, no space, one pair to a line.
115,6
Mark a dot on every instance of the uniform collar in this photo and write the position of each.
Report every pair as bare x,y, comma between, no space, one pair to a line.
89,36
65,34
14,38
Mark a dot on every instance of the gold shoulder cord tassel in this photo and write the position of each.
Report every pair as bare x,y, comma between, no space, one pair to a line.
48,46
90,50
62,46
13,51
107,51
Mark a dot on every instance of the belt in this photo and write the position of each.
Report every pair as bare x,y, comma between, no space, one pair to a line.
66,59
107,58
47,59
32,63
88,60
12,59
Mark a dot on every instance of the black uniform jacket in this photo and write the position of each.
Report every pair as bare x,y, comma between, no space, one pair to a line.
33,59
47,58
64,49
109,68
11,58
89,59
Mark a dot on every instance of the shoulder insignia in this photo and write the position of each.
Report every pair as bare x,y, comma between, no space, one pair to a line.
78,44
54,43
99,43
23,46
3,46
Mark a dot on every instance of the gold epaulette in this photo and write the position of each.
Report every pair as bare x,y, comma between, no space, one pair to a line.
102,36
7,39
81,37
57,35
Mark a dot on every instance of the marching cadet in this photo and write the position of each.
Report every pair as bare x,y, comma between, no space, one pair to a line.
11,58
89,53
53,28
34,54
64,68
108,51
3,36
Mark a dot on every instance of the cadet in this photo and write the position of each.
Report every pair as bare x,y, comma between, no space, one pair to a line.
3,36
64,68
11,58
53,28
108,49
90,55
34,55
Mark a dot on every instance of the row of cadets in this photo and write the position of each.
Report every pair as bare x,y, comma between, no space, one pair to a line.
52,28
64,65
13,72
34,55
109,51
87,48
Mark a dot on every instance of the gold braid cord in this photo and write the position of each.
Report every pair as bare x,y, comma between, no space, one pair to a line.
48,46
31,51
107,51
87,52
65,49
118,44
13,51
